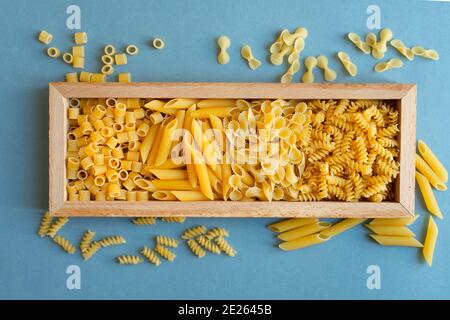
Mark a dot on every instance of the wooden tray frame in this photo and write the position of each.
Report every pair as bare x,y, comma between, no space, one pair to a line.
403,206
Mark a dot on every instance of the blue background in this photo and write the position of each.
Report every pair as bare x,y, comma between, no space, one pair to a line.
31,267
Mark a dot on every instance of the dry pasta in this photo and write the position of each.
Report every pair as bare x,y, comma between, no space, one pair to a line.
129,259
64,244
428,195
208,244
193,232
86,240
425,53
402,48
56,226
158,44
394,222
328,74
195,248
289,224
431,176
303,231
120,59
151,255
341,227
379,48
390,64
303,242
217,232
387,230
433,161
112,241
246,53
167,241
349,66
80,37
144,220
396,241
356,40
45,224
225,247
165,253
430,241
310,64
53,52
45,37
223,43
132,50
173,219
67,58
91,250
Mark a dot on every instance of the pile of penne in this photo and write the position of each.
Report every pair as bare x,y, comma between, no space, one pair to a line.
240,150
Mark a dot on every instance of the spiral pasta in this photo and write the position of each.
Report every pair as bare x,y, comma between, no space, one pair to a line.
144,220
64,244
166,241
86,240
151,256
45,224
208,244
129,259
165,253
173,219
225,246
195,248
56,226
217,232
193,232
112,241
91,250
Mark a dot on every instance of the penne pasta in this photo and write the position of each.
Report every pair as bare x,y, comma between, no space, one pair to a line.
394,221
289,224
433,161
190,195
304,231
341,227
202,173
303,242
182,185
207,112
166,142
216,103
430,241
158,105
163,196
169,174
428,195
180,103
426,170
385,230
397,241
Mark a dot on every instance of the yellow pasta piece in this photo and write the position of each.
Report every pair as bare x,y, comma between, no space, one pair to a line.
80,37
78,62
303,242
53,52
433,161
56,226
349,66
189,195
180,103
288,75
428,195
164,252
45,37
425,53
120,59
220,112
166,241
202,173
166,142
45,224
303,231
246,53
195,248
112,241
163,196
86,240
310,64
64,244
328,74
217,232
430,241
72,77
144,220
379,48
341,227
426,170
158,43
91,250
169,174
225,247
289,224
394,222
356,40
180,185
173,219
151,255
109,50
224,43
98,78
107,59
216,103
403,49
398,241
124,77
67,58
391,64
208,244
129,259
193,232
78,51
386,230
132,50
107,69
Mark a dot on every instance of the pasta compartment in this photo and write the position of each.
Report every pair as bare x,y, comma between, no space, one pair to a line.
63,95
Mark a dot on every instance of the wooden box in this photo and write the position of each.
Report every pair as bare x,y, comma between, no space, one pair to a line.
403,206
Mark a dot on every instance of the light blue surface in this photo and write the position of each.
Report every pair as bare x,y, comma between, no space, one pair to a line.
31,267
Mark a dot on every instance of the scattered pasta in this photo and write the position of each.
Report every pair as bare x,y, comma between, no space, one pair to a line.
193,232
109,50
124,77
430,241
224,43
423,167
356,40
86,240
53,52
120,59
303,242
107,69
78,62
132,50
112,241
225,247
158,43
64,244
45,37
167,241
425,53
107,59
80,38
151,256
246,53
129,259
56,226
217,232
390,64
328,74
433,161
402,48
72,77
349,66
45,224
396,241
388,230
341,226
144,220
92,249
173,219
164,252
379,48
208,244
195,248
428,195
289,224
310,64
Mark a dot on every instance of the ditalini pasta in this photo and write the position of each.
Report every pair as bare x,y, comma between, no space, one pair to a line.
45,37
397,241
349,66
53,52
223,43
303,242
246,53
341,227
45,224
133,149
158,43
430,241
390,64
124,77
67,58
120,59
428,195
109,50
433,161
80,38
132,50
72,77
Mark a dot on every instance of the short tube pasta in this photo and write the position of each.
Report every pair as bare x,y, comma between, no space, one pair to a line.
303,242
304,231
433,161
428,195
